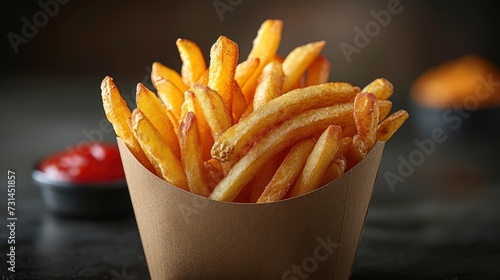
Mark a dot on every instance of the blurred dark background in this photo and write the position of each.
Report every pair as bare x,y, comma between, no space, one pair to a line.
50,97
92,39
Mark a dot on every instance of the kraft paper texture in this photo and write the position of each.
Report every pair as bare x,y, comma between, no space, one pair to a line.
186,236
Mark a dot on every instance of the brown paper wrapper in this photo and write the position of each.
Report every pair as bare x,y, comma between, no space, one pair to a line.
313,236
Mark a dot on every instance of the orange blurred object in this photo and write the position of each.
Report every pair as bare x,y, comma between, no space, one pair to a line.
454,82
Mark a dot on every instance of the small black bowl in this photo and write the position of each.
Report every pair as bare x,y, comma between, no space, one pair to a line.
480,125
88,200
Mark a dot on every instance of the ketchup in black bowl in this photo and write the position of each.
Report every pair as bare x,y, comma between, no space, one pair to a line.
86,180
90,163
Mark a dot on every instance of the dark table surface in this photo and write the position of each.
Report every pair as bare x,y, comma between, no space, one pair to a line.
442,222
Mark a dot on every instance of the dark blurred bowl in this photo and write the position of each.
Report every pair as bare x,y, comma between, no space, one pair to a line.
89,200
459,125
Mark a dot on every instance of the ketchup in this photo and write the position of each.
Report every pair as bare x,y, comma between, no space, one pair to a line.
85,163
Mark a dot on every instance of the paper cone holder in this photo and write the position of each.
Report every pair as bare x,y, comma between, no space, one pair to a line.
186,236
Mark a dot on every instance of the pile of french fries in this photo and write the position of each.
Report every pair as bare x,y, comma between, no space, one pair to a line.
260,130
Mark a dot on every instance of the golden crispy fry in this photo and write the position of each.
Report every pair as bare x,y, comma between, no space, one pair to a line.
162,72
203,80
158,152
245,69
118,114
287,172
384,108
278,58
318,161
267,41
206,141
349,131
244,194
334,171
301,82
223,60
297,62
214,172
389,126
171,97
344,146
291,131
381,87
213,108
248,111
318,72
149,104
357,151
265,45
270,84
192,160
239,103
263,177
172,119
211,105
193,61
232,142
366,115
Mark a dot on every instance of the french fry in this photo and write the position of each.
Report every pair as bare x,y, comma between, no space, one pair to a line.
256,186
245,69
161,72
366,116
297,62
206,140
118,114
248,111
285,135
193,61
318,72
381,87
223,60
349,131
239,104
318,161
263,177
301,82
267,41
357,151
214,172
287,172
213,113
270,84
203,80
171,97
173,120
391,124
264,48
191,158
384,110
160,155
213,109
149,104
232,142
278,58
334,171
344,146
